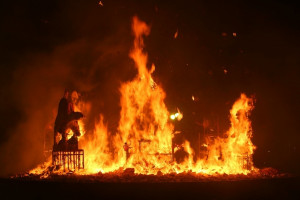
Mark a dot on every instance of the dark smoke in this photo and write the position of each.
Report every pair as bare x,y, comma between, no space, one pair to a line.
93,64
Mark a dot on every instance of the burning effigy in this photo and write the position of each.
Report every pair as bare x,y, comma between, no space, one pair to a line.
144,142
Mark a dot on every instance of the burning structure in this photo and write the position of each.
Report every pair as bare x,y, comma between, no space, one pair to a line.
65,152
145,141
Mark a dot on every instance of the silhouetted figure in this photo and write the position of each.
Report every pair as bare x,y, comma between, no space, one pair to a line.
126,148
61,121
66,119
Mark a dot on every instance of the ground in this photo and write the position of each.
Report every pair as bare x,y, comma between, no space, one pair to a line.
74,187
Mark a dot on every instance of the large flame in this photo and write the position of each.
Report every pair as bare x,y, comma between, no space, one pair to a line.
144,119
145,131
232,154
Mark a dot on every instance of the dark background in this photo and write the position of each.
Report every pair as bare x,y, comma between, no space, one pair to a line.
47,46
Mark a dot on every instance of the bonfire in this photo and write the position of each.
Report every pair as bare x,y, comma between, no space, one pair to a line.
144,143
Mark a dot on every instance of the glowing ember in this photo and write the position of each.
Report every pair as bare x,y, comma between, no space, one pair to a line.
177,115
145,132
100,3
176,34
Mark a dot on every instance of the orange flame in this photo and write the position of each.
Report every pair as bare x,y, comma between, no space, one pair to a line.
144,117
233,154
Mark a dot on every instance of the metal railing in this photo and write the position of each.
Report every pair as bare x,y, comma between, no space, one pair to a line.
69,159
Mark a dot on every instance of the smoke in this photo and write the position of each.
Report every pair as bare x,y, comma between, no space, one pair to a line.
36,86
93,68
49,47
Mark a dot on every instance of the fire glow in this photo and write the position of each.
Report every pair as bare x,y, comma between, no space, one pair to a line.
146,126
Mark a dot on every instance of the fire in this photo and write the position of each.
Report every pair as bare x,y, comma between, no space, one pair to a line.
144,122
98,157
233,154
176,34
145,132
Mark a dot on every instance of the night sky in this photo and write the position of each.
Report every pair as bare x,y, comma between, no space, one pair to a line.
223,48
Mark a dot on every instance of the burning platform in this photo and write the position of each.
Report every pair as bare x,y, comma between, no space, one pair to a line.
69,160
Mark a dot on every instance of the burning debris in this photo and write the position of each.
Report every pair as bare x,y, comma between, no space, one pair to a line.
128,175
176,34
100,3
144,142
